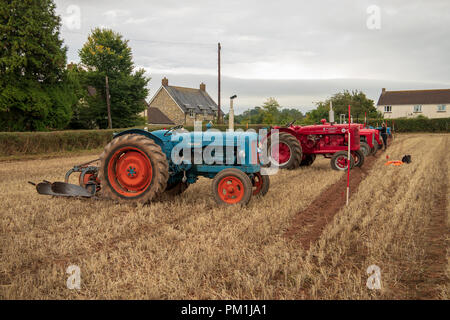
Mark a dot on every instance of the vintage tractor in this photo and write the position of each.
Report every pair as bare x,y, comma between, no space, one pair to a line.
369,140
299,145
140,166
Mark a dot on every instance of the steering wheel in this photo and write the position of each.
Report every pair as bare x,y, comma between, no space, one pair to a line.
172,129
290,123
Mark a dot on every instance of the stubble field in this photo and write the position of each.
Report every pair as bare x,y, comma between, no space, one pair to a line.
188,248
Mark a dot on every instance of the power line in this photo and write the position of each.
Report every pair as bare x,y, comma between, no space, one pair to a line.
159,41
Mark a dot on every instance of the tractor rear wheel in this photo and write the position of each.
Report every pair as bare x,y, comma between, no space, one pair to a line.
133,168
339,161
287,154
261,184
365,148
232,186
359,157
308,160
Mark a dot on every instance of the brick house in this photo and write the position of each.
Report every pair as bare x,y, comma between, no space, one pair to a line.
181,105
412,103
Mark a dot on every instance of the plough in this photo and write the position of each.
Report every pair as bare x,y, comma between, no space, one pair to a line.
89,184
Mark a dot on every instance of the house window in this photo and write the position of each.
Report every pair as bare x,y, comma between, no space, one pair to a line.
418,108
191,113
387,108
441,108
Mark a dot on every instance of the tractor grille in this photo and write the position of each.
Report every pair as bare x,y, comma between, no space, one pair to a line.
356,135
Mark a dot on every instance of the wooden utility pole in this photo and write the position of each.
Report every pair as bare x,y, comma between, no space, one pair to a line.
108,104
218,86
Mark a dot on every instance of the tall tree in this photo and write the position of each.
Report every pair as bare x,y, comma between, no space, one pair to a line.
34,93
271,109
106,53
359,102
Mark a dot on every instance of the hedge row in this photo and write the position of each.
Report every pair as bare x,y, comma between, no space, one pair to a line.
24,143
415,124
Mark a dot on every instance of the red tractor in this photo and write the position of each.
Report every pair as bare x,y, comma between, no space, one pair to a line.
299,145
370,140
367,138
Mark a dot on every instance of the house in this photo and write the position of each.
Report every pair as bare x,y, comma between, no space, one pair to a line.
181,105
412,103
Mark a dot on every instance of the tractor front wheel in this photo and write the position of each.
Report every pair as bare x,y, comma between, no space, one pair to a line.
133,168
232,186
261,184
339,161
359,157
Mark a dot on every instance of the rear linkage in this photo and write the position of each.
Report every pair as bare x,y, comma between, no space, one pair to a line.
89,184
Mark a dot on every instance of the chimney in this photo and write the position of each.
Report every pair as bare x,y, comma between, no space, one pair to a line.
165,81
202,86
383,90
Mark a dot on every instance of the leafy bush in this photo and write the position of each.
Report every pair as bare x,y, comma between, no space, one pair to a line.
421,124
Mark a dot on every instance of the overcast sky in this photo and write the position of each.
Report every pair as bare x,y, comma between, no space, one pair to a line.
297,51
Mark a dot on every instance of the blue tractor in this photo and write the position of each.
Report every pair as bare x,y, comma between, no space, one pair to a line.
140,166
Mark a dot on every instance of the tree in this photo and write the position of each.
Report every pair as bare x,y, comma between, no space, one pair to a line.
35,93
270,109
269,113
360,104
106,53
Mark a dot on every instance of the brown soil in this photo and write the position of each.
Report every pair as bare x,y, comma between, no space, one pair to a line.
322,210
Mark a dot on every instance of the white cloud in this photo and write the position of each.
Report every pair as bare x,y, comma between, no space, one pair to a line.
287,39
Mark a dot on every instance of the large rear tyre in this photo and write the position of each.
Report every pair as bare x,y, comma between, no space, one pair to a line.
133,168
359,157
307,160
232,186
287,153
339,161
365,148
260,184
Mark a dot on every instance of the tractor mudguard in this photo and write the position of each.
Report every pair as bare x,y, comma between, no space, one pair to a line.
155,138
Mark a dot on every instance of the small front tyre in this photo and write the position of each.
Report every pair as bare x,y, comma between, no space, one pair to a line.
232,186
359,157
339,161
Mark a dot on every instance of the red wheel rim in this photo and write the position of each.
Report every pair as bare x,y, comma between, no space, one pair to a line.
282,154
86,179
341,162
130,171
230,189
257,183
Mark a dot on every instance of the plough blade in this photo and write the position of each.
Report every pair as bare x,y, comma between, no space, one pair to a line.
62,189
